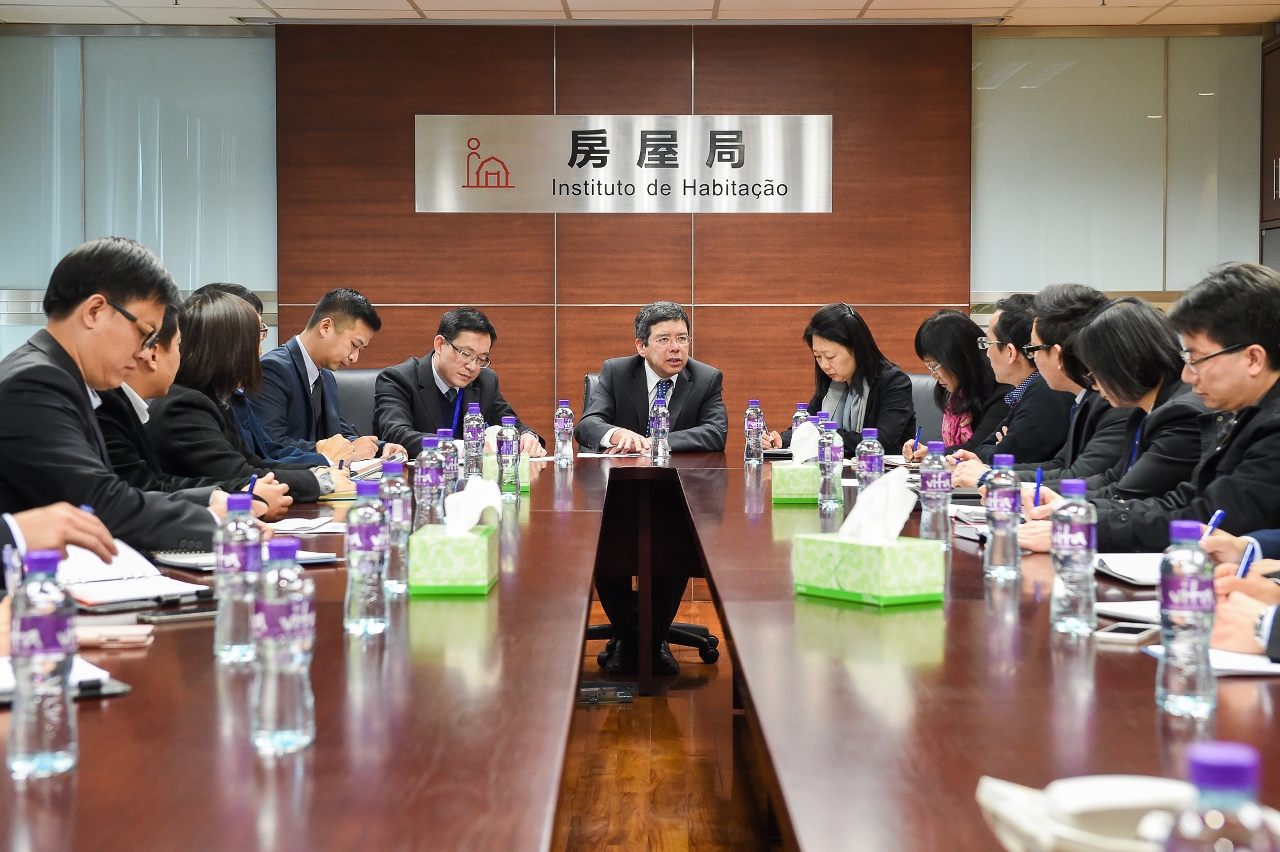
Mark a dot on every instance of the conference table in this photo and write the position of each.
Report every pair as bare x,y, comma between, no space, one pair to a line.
865,728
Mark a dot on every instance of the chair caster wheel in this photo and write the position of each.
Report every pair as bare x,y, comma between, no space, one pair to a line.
713,641
710,655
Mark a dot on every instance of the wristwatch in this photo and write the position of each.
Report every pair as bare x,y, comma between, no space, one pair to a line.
982,480
1258,624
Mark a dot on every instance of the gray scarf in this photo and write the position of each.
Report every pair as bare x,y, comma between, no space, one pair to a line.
847,406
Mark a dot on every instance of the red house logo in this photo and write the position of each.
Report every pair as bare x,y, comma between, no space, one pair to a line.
485,172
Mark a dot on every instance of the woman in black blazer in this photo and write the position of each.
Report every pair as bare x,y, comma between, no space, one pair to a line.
855,383
193,429
971,400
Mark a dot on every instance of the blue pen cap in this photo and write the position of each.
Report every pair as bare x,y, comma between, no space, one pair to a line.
241,501
444,434
367,488
43,561
392,468
1072,487
937,447
1184,530
283,547
1002,461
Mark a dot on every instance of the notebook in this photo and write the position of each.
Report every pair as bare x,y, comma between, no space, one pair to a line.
1140,569
196,561
309,526
1231,663
88,679
129,578
1146,611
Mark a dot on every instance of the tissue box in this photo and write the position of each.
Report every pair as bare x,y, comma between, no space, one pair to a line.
796,483
441,564
910,570
491,469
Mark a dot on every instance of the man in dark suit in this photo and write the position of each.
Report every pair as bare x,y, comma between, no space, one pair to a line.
298,403
616,421
422,395
105,301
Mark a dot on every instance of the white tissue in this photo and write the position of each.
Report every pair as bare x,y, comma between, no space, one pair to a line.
881,511
463,509
804,442
491,439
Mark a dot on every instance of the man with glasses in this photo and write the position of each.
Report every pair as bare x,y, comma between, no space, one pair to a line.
422,395
106,303
1229,324
298,403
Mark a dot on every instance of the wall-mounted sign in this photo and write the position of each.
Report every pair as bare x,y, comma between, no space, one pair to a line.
623,163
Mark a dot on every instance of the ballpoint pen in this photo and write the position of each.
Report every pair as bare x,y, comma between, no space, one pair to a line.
1214,521
253,480
1245,561
1039,482
915,446
85,507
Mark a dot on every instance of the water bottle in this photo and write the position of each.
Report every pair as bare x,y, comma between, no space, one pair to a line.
397,500
1185,683
473,442
1002,558
1073,545
935,494
801,416
831,466
42,726
237,558
659,428
282,708
753,426
509,460
365,609
870,458
448,459
564,434
1226,815
429,484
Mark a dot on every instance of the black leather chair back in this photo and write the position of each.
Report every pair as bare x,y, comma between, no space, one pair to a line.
590,382
355,396
928,417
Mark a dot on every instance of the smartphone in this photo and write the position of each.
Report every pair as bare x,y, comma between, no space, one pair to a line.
186,612
1128,633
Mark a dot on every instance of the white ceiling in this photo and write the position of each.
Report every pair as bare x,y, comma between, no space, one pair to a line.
1019,13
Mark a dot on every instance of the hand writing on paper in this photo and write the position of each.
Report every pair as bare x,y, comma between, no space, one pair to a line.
1233,624
364,447
335,449
1255,584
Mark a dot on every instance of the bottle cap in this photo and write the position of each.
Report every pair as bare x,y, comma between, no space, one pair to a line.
431,442
1072,488
43,561
802,406
392,468
1002,460
283,547
564,403
1184,530
473,408
508,421
444,434
241,501
753,403
869,434
1224,766
825,415
937,447
830,426
367,488
815,420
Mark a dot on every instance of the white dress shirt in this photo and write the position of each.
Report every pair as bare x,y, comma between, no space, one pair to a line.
139,404
313,372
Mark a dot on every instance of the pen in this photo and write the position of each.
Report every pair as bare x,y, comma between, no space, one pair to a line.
1039,482
85,507
916,445
1214,521
341,462
253,480
1246,560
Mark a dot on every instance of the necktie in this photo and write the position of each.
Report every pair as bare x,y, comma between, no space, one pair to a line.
663,386
451,396
317,409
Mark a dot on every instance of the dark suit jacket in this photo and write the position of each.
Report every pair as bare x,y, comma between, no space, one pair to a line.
1168,447
195,436
407,404
284,403
699,422
1095,442
1269,539
1038,426
993,411
890,408
1237,472
53,450
132,456
256,438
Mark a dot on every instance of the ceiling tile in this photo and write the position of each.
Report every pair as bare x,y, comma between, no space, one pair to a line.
101,14
347,14
194,15
576,6
933,5
491,6
642,14
357,5
765,14
784,8
1150,5
239,5
1216,14
1096,15
496,14
938,14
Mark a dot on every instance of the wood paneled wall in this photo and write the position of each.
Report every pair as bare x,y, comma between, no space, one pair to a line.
563,290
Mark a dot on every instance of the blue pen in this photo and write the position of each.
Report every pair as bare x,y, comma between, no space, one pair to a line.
916,445
1214,521
1246,560
253,480
341,462
1039,482
85,507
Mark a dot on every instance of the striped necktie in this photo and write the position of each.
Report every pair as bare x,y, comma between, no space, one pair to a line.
663,387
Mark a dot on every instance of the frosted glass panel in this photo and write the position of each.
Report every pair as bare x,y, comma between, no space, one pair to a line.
1214,128
1068,169
180,153
40,200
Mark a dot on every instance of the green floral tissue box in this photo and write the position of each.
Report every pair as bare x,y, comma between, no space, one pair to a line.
491,469
441,564
796,483
910,570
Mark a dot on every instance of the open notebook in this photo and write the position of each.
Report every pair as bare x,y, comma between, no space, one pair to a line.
1231,663
1140,569
196,561
129,579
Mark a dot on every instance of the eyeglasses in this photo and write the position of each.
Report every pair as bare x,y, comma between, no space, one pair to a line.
150,334
1194,363
1030,350
470,357
988,342
932,368
664,341
263,331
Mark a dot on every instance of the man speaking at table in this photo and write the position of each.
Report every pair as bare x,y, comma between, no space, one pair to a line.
617,421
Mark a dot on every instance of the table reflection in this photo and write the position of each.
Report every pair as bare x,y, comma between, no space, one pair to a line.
1072,659
44,814
458,633
1003,597
284,791
753,490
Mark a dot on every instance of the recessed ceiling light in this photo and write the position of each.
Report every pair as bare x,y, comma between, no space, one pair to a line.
1205,94
1155,116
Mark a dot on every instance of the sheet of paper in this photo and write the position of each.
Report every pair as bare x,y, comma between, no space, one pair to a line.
309,526
205,561
81,670
1146,611
137,589
82,566
611,456
1141,569
1231,663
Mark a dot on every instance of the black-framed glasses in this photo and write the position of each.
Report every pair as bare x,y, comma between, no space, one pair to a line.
1194,363
150,334
988,342
470,357
1031,349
